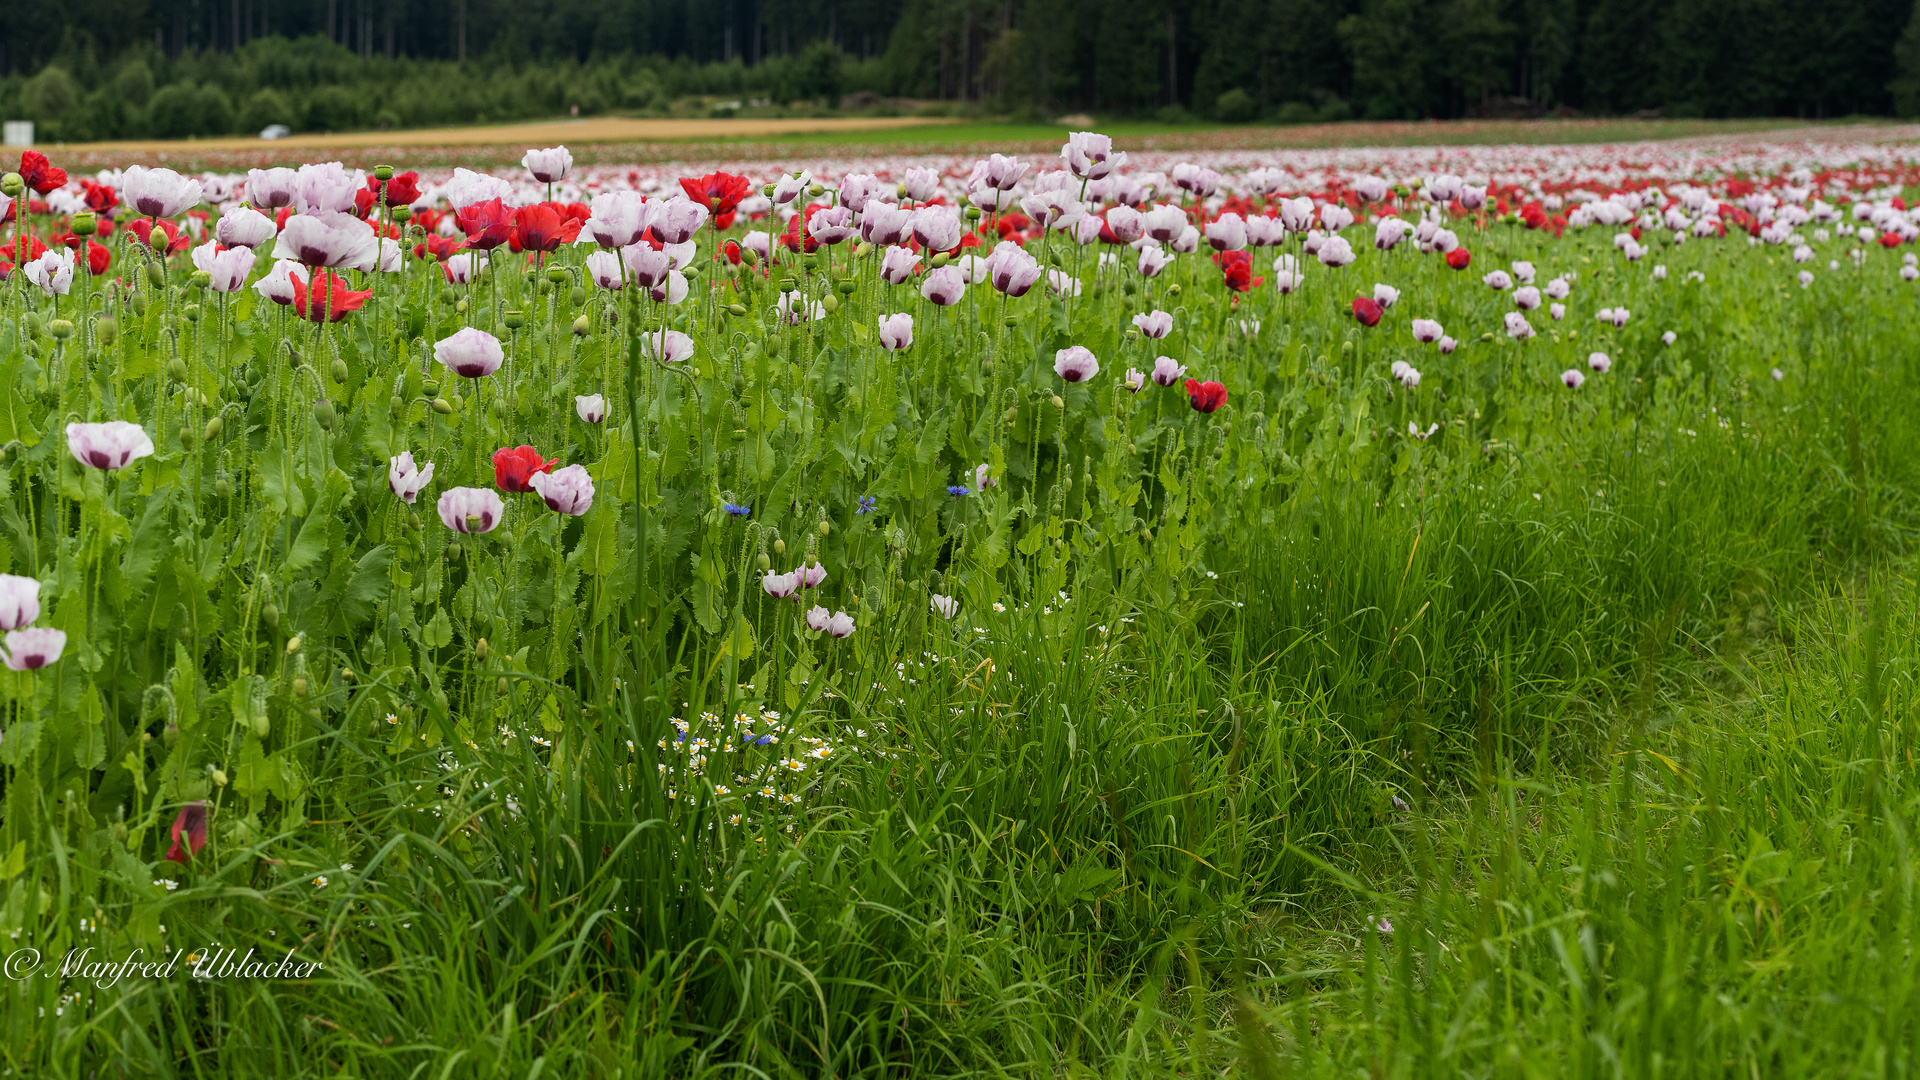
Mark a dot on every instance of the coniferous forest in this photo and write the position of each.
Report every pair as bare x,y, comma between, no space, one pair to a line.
91,69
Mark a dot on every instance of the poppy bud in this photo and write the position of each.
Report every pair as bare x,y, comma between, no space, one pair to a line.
186,436
294,359
61,329
825,528
764,563
156,275
170,735
736,310
178,369
159,241
300,687
220,778
1173,290
221,486
270,614
442,406
750,256
339,370
293,644
323,414
830,302
139,304
413,520
779,547
582,326
1346,349
460,305
84,224
816,190
200,279
941,260
500,688
213,429
481,649
383,173
767,190
516,319
1059,402
12,184
578,296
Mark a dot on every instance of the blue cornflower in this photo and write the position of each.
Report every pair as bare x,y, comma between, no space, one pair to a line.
737,510
866,505
958,490
760,741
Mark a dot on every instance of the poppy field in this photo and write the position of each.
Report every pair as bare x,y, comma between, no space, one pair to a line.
1398,612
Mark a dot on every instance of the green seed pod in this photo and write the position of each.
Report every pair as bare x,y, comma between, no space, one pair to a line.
213,429
12,184
442,406
402,214
191,312
383,173
556,274
339,370
61,329
156,275
323,414
200,279
431,388
847,287
516,319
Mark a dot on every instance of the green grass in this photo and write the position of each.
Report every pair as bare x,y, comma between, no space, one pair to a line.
1637,663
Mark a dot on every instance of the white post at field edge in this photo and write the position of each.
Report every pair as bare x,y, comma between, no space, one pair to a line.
19,133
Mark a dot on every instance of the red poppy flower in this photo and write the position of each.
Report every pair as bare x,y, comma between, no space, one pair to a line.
1890,240
720,192
280,219
440,247
38,206
402,190
98,258
35,249
796,238
362,202
100,197
732,251
487,225
6,269
1367,311
1238,267
1459,257
39,173
540,227
331,298
190,824
512,468
1205,396
176,240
